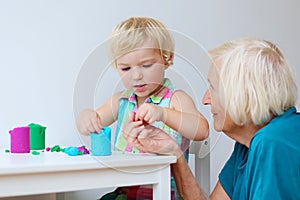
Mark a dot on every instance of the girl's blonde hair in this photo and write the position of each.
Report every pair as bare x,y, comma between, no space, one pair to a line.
141,32
256,79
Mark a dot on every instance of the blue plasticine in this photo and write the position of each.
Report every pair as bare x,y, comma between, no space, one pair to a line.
71,151
101,142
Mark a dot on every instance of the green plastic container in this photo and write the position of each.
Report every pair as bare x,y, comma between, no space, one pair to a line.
37,136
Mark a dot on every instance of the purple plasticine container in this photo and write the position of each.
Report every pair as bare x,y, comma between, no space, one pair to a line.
20,140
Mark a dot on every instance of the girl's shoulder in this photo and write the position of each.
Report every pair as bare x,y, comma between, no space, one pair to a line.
180,93
114,99
179,98
118,95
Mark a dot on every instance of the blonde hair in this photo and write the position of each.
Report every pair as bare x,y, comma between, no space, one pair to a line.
256,79
136,32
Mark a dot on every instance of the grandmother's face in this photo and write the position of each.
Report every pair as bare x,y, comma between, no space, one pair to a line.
222,121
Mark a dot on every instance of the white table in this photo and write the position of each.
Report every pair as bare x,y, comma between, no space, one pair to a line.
55,172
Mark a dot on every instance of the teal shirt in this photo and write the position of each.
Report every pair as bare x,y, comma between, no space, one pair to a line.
270,167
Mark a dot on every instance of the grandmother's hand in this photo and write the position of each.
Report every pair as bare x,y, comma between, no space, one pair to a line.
148,138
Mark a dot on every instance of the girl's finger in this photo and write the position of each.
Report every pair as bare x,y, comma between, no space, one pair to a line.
132,116
137,123
133,134
95,123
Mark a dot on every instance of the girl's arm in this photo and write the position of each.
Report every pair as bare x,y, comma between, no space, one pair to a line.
184,117
89,120
108,112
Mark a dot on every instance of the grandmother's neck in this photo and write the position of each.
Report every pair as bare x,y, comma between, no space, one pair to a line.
244,134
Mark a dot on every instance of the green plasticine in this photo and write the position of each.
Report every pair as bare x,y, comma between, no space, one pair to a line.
35,153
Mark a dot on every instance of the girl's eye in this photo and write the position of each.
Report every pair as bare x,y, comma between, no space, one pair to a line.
125,69
146,66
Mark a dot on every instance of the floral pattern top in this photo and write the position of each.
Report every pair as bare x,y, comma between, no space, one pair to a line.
128,104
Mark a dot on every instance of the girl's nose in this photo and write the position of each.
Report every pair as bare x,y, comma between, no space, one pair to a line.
206,100
137,74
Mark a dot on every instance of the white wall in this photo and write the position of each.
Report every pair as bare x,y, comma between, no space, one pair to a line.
44,44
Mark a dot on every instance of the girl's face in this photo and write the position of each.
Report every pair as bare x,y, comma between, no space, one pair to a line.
142,71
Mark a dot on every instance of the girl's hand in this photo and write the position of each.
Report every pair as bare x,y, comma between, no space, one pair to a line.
131,129
148,138
150,113
88,121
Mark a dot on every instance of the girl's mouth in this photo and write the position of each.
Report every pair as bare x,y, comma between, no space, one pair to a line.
140,88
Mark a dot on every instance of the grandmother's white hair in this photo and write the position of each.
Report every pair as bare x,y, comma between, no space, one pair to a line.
256,80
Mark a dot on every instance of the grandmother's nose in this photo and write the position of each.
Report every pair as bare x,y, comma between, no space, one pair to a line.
206,100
